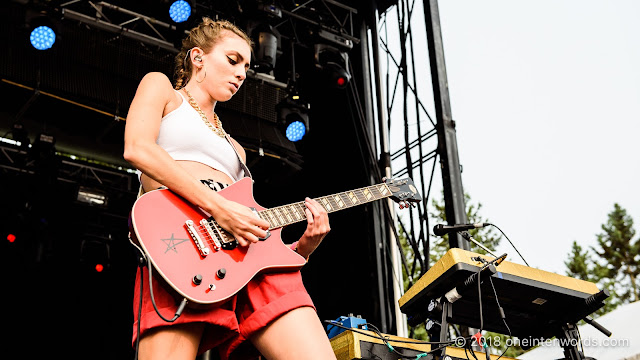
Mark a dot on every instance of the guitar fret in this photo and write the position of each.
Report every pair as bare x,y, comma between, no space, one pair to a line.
292,213
327,205
367,194
287,214
280,217
273,220
347,200
353,197
302,208
295,212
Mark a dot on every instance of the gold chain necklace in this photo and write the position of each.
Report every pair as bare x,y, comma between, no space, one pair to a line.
218,124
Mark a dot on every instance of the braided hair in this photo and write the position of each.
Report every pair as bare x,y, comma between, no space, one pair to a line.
204,36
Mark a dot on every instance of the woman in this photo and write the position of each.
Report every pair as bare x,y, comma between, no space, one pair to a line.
174,137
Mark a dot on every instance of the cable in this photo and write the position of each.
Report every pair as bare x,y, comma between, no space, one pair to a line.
514,248
480,300
333,322
392,349
141,264
386,341
473,353
502,315
181,307
486,348
142,260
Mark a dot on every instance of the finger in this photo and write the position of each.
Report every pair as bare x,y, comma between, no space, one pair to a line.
317,208
313,206
262,224
310,216
256,231
241,241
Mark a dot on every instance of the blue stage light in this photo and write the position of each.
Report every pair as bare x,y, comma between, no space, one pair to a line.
296,131
180,11
42,38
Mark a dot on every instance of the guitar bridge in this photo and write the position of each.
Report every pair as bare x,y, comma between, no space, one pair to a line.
204,250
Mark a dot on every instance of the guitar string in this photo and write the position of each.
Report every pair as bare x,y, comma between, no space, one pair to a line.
297,210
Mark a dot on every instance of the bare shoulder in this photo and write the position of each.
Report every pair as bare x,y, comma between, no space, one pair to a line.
156,88
156,82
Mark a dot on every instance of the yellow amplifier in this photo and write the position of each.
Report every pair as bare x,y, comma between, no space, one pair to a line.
365,344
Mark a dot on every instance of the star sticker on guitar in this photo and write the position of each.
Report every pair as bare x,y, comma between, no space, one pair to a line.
172,242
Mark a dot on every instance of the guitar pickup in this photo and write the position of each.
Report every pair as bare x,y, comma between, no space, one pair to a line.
206,225
204,250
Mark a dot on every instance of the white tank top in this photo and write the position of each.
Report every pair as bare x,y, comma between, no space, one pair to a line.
185,136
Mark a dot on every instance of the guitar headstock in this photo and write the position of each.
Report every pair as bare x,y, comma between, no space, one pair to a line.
403,191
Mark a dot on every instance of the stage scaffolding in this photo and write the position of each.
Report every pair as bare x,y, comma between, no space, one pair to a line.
416,132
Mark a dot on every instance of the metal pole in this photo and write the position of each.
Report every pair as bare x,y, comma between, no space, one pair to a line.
447,145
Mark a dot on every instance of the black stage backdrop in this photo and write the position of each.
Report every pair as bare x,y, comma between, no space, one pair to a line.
57,304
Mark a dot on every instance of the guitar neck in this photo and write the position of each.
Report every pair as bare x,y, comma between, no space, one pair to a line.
289,214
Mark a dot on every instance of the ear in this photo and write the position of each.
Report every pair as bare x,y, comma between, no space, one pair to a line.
196,55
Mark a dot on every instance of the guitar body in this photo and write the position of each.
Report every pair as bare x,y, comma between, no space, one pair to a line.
158,220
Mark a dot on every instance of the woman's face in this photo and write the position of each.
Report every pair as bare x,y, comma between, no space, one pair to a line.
226,65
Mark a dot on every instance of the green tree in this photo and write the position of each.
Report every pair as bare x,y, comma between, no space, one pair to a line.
612,263
619,254
580,264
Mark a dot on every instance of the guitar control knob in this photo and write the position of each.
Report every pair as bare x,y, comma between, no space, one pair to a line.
197,279
222,272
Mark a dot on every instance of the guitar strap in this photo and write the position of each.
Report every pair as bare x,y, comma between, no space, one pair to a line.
244,167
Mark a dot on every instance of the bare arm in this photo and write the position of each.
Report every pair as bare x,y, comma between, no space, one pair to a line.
140,149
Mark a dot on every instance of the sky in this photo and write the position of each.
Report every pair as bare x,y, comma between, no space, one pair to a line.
546,100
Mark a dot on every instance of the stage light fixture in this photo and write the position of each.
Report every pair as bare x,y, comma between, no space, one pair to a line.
44,147
334,65
20,135
43,154
42,37
293,117
41,28
92,197
180,11
95,252
263,15
267,42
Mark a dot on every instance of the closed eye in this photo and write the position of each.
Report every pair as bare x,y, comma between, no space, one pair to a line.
231,61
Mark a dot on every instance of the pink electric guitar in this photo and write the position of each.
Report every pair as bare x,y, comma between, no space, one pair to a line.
202,262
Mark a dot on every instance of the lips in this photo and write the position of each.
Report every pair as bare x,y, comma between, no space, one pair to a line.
235,86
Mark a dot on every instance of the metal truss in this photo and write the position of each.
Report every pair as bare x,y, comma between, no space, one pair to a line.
112,18
332,22
420,140
16,159
412,130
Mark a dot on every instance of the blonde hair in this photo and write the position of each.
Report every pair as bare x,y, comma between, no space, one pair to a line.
204,36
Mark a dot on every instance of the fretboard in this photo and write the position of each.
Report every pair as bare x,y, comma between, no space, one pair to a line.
289,214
